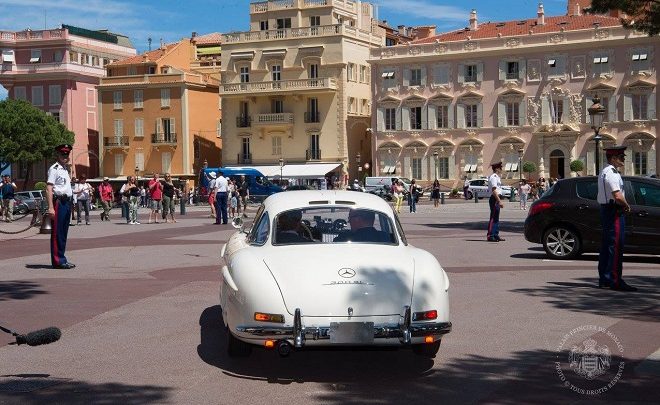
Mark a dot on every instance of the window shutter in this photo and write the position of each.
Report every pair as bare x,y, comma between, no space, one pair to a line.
522,112
405,117
461,73
425,118
586,103
591,164
650,161
501,114
611,109
452,166
441,74
651,107
172,126
480,72
480,115
398,114
566,113
423,78
545,111
406,77
432,116
425,167
522,69
561,66
159,128
380,119
627,107
502,72
460,116
450,116
406,170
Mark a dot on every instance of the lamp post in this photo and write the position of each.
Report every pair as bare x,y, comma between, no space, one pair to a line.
137,172
435,160
597,114
359,166
521,151
281,161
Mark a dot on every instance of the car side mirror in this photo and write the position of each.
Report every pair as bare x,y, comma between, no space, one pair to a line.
237,223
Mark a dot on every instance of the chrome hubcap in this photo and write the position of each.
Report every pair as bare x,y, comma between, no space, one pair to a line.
561,242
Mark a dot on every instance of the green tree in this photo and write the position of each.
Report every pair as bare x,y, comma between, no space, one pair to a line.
28,135
529,167
642,15
577,166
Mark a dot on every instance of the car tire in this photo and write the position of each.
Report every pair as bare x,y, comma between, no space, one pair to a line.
236,347
469,195
428,350
561,242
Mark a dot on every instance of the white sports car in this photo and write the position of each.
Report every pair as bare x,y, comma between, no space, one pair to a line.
330,268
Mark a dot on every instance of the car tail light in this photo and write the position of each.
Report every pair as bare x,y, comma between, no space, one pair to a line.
263,317
428,339
269,344
426,315
540,207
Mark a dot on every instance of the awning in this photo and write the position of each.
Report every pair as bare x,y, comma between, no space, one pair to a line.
389,169
8,56
209,50
298,171
35,60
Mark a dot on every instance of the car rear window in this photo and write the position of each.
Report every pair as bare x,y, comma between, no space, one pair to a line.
587,189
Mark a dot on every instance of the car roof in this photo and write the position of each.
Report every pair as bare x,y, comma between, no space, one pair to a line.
304,198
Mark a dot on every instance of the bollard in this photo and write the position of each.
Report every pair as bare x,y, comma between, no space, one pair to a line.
442,198
512,196
476,198
183,205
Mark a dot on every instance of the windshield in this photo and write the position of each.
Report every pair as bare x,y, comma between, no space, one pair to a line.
263,180
333,225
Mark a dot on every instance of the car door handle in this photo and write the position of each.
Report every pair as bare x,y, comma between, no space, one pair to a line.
582,207
642,214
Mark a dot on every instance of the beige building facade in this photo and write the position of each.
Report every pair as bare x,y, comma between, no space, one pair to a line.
296,86
449,105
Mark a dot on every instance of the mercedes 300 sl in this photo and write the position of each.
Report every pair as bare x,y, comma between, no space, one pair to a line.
330,268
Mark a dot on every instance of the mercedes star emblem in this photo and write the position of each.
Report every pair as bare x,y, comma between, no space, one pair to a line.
346,272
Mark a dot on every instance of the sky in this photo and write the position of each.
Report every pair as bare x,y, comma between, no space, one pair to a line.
172,20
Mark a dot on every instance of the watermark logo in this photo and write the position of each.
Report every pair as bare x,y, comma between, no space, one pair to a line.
594,368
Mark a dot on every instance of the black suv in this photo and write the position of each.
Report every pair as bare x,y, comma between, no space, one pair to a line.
566,219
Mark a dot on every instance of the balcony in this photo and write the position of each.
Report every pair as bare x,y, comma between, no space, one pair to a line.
115,142
279,87
163,139
32,35
266,6
312,116
274,118
64,67
301,33
313,154
244,158
243,121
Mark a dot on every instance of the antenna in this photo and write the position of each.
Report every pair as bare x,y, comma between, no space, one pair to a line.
45,25
149,41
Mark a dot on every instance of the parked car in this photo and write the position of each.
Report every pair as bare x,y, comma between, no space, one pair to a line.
378,182
321,283
299,187
28,199
480,187
566,219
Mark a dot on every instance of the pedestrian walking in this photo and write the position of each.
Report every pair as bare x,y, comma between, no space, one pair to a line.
143,197
233,204
8,194
168,198
613,208
212,192
221,187
466,187
244,193
132,193
397,191
106,193
412,197
83,191
74,201
435,193
125,200
156,196
523,191
495,203
59,195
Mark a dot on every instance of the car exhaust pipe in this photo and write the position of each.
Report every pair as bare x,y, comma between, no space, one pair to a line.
284,348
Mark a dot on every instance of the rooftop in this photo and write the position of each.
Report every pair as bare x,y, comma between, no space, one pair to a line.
147,57
214,38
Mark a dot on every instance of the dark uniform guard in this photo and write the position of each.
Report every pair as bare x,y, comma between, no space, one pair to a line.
495,203
59,194
613,207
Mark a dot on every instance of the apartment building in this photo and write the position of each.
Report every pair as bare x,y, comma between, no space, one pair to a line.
448,105
157,115
296,87
207,54
57,70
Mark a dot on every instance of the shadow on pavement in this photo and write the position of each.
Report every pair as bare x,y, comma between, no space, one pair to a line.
19,290
505,226
45,389
586,257
39,266
359,377
583,295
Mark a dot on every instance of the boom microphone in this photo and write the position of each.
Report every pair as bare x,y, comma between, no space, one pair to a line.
40,337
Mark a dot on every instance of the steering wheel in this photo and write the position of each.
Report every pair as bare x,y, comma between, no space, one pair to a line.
307,232
339,225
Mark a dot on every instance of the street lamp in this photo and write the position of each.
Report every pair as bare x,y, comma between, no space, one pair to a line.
281,166
137,171
435,159
597,114
359,167
521,151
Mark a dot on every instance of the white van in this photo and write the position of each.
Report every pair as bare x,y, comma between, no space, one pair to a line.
378,182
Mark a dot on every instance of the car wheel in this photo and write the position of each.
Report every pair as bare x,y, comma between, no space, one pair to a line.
426,349
561,242
236,347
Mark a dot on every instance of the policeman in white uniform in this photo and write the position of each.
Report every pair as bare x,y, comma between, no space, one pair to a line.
221,187
59,195
495,203
613,207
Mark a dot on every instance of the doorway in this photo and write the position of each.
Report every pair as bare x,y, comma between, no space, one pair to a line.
557,164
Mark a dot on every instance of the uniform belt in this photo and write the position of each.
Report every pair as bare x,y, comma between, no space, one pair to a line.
62,198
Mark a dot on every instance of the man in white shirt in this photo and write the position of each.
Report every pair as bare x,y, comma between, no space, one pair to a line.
221,188
82,191
58,195
495,203
466,187
613,207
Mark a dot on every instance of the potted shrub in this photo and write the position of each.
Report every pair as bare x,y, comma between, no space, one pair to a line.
577,166
529,167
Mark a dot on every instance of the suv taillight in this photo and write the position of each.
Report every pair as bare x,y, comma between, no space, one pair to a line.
540,207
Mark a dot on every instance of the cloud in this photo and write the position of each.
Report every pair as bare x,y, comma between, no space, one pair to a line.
425,9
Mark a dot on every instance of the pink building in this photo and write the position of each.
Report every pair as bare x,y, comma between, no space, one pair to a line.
448,105
57,70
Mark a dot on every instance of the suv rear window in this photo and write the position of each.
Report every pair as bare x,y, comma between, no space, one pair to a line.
587,189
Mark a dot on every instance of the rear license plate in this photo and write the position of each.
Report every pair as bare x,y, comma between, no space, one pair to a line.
352,332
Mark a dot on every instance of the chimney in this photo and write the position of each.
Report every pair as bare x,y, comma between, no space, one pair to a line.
540,15
473,20
578,9
193,35
162,44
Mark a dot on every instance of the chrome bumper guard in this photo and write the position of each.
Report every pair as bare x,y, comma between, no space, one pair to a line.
298,333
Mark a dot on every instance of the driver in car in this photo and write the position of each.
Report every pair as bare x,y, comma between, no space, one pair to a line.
289,227
362,228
